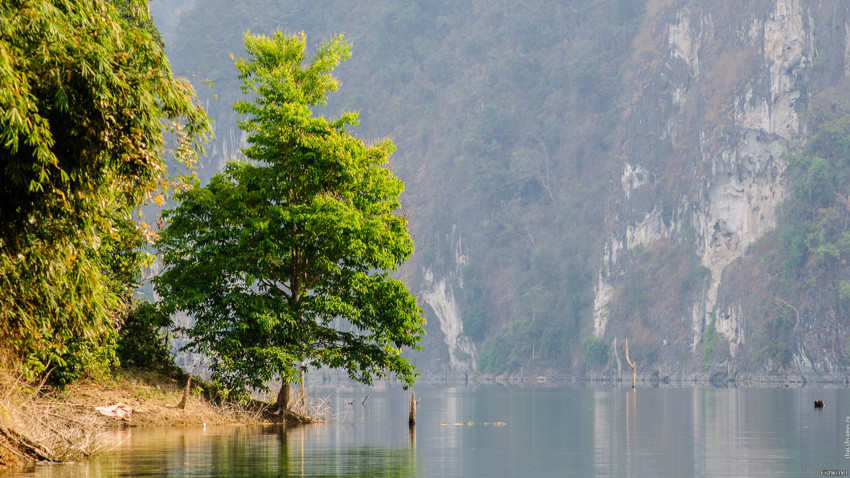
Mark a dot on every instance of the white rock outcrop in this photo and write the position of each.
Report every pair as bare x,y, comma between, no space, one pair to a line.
439,295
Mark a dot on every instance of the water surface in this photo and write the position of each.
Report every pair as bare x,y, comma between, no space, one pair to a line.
572,431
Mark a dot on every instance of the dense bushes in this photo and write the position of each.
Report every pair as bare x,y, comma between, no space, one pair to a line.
143,339
814,218
596,351
709,343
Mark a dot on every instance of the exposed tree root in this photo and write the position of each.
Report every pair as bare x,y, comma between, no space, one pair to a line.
17,450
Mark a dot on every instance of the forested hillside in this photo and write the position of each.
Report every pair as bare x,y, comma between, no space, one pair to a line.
579,173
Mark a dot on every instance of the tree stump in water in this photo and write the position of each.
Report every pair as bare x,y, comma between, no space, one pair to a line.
411,418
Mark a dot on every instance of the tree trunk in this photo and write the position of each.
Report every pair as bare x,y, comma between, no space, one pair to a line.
182,404
301,398
283,398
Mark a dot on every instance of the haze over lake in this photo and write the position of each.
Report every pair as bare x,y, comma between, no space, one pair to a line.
570,431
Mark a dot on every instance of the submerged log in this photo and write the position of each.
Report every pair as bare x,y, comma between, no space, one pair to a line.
297,417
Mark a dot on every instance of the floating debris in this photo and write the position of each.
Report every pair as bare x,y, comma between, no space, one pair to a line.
470,423
119,410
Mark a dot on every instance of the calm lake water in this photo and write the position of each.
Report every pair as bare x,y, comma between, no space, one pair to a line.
573,431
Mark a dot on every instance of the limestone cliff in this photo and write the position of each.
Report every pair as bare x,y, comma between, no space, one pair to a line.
713,109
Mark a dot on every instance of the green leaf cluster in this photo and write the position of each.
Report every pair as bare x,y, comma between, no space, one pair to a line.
709,343
143,338
773,342
815,217
86,96
596,350
495,356
527,342
282,260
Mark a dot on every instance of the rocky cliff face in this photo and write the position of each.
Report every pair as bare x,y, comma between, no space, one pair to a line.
718,89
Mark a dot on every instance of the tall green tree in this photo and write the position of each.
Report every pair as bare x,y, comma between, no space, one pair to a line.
283,260
86,96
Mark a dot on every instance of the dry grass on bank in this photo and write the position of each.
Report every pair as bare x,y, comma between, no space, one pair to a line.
38,423
154,397
34,425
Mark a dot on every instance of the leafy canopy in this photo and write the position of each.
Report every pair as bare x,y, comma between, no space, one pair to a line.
86,95
284,258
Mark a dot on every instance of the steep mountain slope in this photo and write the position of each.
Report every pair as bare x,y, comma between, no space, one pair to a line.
605,169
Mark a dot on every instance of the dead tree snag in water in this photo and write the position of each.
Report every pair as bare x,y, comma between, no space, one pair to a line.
631,364
411,417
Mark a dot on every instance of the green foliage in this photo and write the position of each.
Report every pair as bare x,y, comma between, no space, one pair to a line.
85,98
494,357
596,350
773,342
846,352
815,216
527,342
844,291
284,259
135,13
659,282
709,343
475,321
474,314
143,339
83,357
